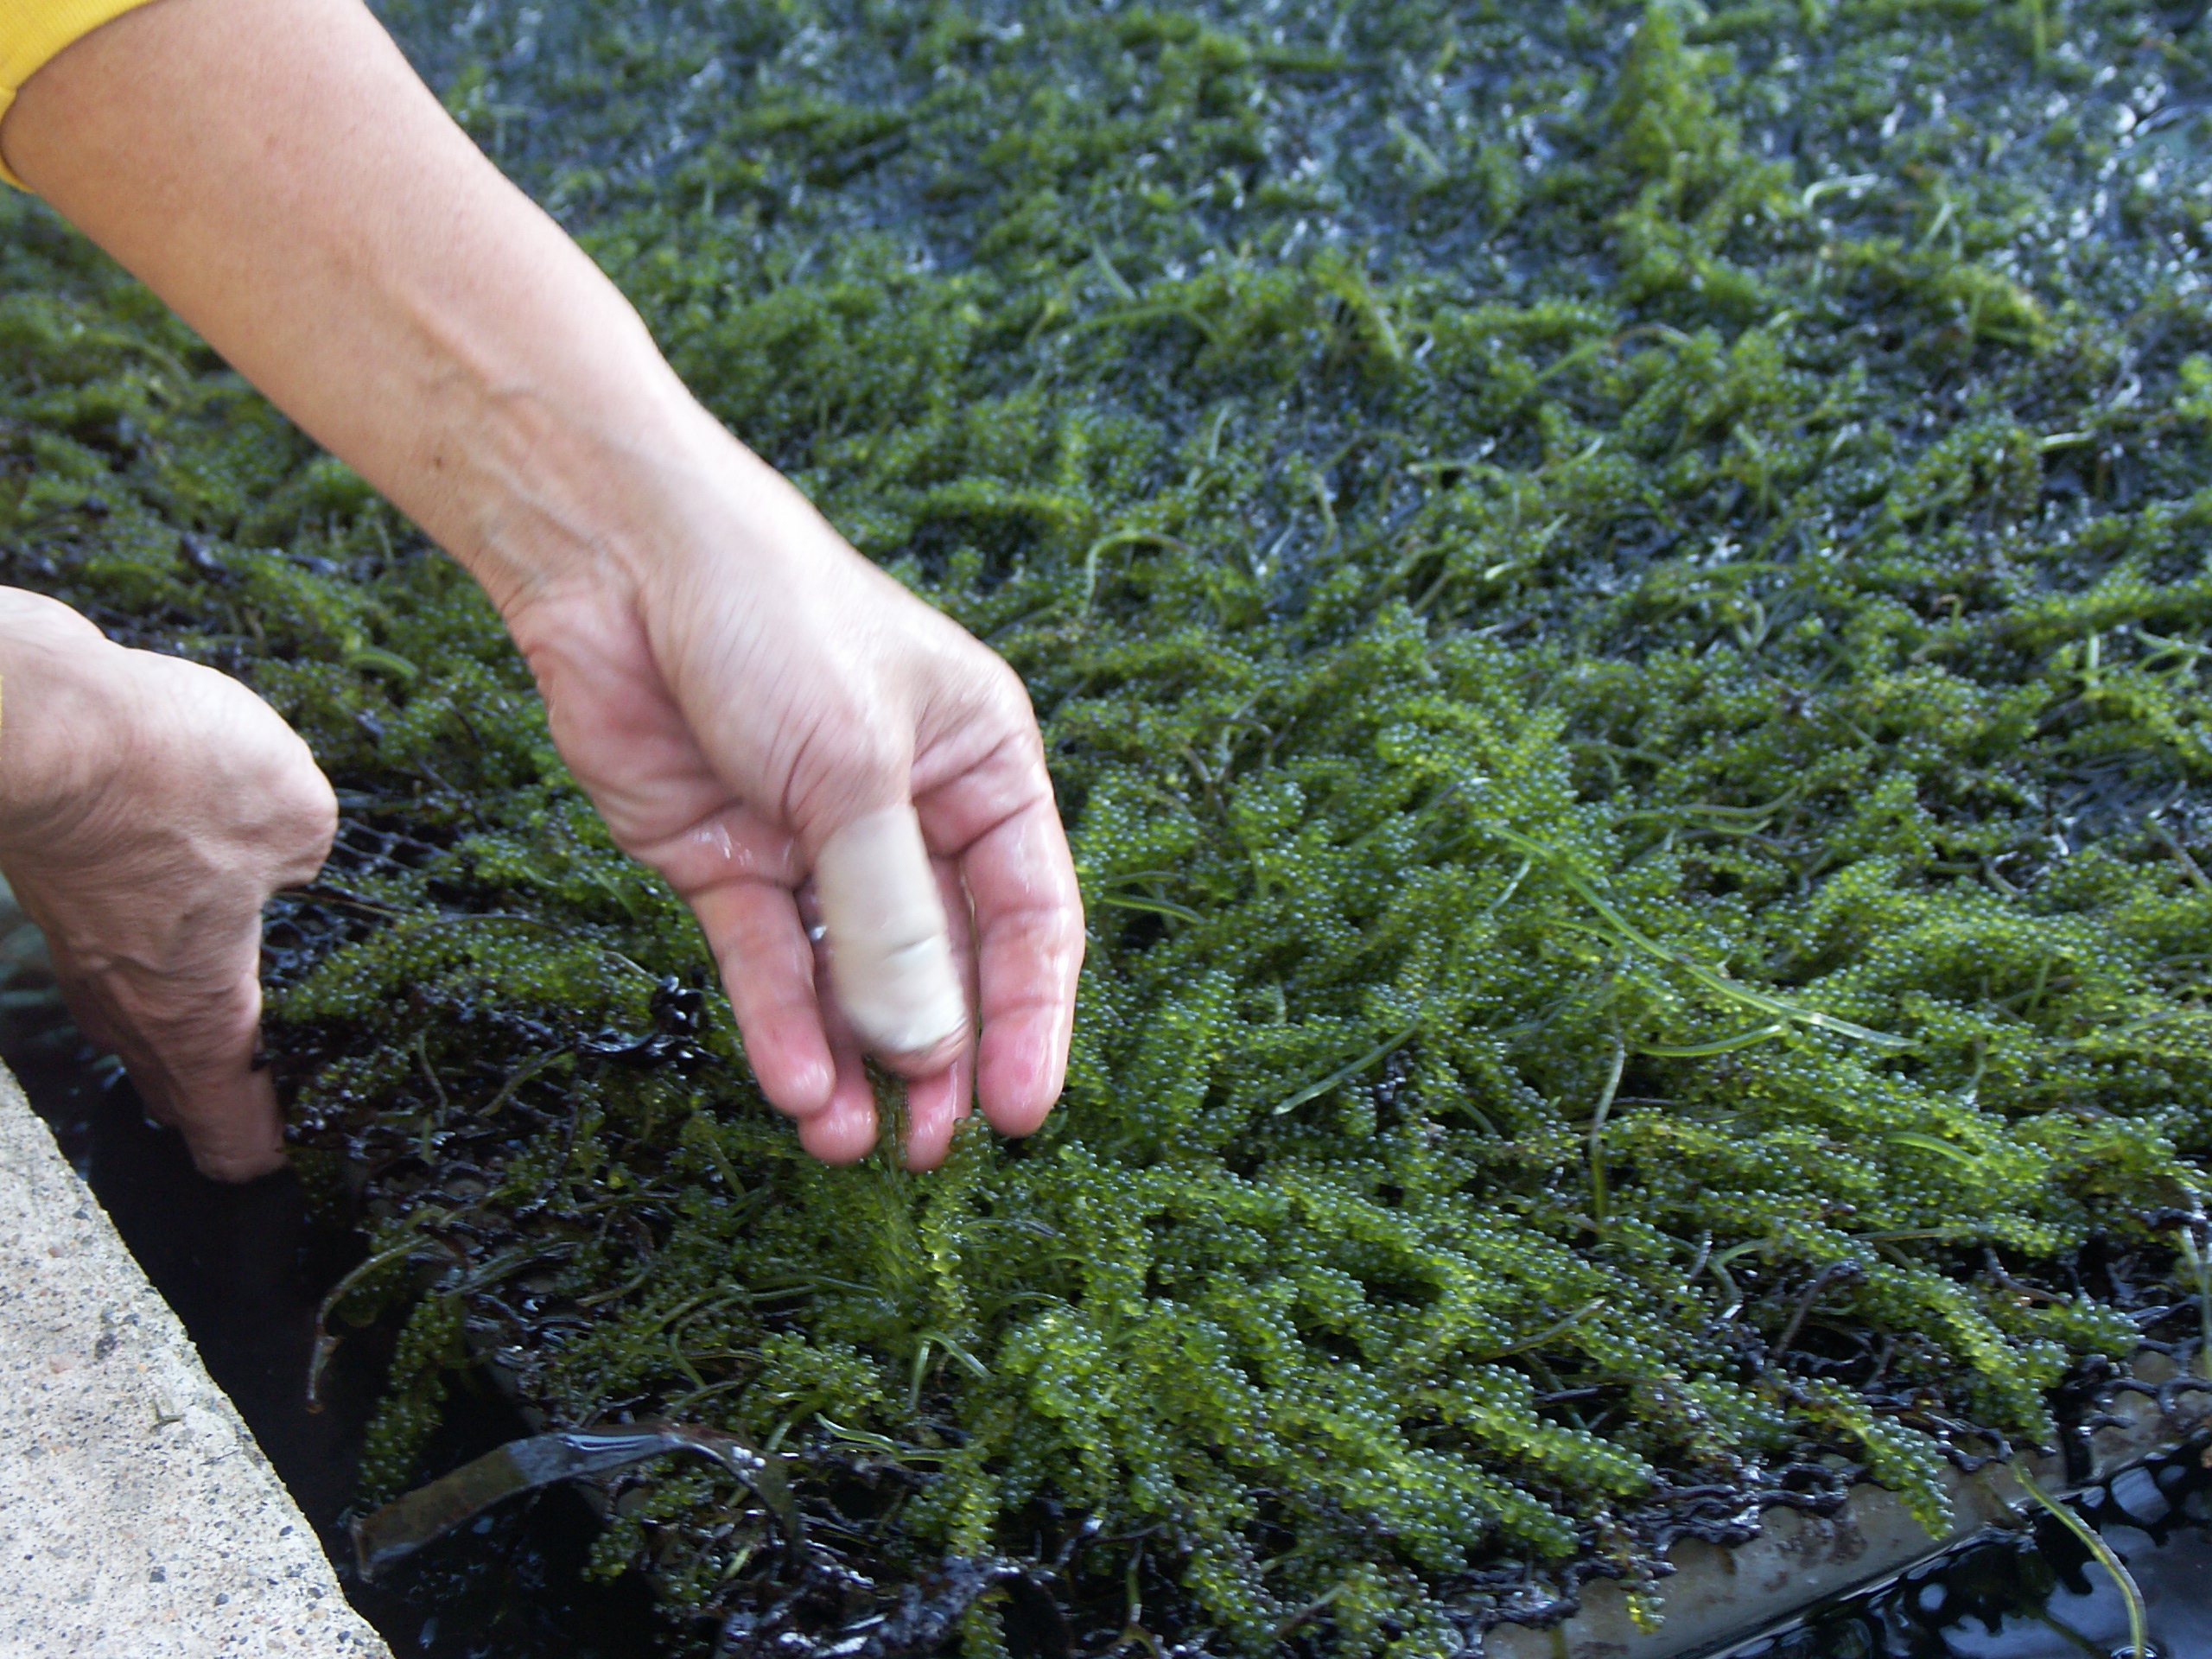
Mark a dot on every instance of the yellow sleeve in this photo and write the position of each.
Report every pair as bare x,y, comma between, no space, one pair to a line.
33,31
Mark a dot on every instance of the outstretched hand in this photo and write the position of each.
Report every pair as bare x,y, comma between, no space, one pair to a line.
754,692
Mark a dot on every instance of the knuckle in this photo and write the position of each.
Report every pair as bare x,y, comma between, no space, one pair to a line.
314,813
297,808
1004,706
854,758
1009,685
874,753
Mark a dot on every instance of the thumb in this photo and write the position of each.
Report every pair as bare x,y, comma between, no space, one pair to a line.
891,961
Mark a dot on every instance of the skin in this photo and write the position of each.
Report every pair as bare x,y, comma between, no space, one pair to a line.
729,680
149,807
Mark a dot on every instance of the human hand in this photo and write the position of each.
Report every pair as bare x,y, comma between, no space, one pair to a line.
750,703
737,690
147,809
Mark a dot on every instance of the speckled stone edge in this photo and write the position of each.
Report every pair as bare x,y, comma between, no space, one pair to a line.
1719,1599
137,1517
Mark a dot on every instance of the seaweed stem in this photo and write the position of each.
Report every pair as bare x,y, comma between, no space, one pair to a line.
2137,1628
2200,1268
1598,1199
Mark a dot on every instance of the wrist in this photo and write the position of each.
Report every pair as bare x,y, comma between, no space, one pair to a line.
659,516
548,491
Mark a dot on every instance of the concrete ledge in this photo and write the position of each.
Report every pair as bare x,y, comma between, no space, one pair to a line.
137,1517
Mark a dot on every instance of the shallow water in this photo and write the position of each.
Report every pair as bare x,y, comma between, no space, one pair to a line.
2037,1594
246,1268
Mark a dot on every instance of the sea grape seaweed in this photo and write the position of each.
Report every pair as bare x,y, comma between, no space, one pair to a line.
1619,599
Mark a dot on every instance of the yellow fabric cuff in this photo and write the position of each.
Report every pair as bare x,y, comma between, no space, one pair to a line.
33,31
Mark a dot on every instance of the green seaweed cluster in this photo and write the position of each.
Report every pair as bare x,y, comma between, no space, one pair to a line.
1619,597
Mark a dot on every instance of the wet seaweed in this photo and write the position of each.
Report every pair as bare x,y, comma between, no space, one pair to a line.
388,1536
2138,1644
2041,1586
1617,594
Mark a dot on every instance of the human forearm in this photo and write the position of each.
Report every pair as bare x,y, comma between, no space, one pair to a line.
755,709
276,172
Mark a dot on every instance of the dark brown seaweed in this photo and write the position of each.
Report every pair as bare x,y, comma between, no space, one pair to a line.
404,1526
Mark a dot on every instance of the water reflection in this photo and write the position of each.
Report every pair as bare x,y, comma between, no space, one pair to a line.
2037,1594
